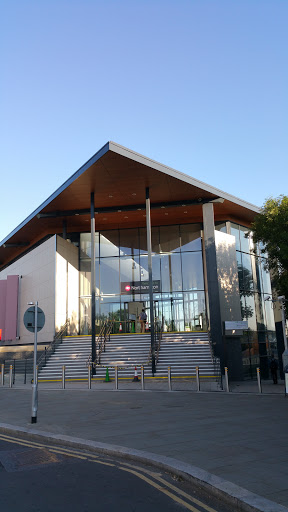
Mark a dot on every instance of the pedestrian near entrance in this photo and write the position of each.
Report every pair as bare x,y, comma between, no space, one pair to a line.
273,369
143,319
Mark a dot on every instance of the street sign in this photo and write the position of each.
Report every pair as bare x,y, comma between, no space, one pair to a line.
29,319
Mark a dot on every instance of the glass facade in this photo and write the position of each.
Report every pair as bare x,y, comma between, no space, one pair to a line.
121,259
259,342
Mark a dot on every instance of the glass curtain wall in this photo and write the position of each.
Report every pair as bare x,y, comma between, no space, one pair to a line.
259,342
121,268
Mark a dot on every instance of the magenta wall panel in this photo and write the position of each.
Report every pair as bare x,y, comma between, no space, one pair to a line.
3,288
11,308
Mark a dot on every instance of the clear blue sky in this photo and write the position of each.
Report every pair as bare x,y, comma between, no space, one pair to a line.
198,85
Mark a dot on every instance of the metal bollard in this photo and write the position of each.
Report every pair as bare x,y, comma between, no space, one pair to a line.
63,377
116,377
169,379
259,380
2,374
197,378
11,376
142,378
226,379
89,376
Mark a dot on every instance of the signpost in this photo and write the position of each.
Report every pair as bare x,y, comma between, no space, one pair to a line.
34,321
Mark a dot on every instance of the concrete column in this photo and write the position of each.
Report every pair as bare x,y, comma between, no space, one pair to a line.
215,321
93,303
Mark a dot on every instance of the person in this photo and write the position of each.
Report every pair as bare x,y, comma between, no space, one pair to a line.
143,318
273,369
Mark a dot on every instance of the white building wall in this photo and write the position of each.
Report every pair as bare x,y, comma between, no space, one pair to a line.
67,285
37,269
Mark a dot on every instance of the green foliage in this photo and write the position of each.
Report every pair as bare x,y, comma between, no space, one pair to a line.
271,228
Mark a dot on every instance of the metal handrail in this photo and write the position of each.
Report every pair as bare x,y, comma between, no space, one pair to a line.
159,332
100,342
57,340
89,360
101,347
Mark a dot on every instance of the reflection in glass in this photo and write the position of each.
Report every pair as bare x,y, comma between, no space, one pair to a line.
221,226
85,245
266,281
235,232
144,273
169,239
109,276
270,323
247,283
129,242
109,243
154,240
129,269
194,311
248,311
171,279
190,237
192,271
244,239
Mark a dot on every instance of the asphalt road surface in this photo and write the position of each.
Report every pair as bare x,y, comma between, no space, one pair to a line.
38,477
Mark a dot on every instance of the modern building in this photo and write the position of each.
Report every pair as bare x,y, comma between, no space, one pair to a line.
85,255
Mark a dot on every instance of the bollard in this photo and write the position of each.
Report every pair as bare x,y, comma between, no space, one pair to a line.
116,377
89,376
259,380
63,377
169,379
2,374
11,376
142,378
226,379
197,378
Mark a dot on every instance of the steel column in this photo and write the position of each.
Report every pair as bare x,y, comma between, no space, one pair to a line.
93,303
35,376
149,248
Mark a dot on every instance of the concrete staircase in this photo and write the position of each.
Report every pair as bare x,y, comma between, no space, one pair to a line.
73,352
121,350
183,352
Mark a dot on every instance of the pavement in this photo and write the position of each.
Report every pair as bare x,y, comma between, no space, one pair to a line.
233,444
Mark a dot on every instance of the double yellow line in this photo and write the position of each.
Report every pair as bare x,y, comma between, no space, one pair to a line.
158,482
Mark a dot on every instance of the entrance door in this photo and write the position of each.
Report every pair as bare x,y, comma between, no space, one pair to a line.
171,310
132,311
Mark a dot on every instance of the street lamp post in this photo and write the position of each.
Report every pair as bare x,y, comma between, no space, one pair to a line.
35,380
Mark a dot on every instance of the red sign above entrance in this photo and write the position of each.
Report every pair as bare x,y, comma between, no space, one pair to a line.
139,287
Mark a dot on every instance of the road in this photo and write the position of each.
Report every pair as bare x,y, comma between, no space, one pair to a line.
39,477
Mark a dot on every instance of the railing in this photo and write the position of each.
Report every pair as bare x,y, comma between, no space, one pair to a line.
43,358
22,367
158,331
100,342
158,337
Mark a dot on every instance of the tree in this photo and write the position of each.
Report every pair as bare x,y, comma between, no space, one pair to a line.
271,228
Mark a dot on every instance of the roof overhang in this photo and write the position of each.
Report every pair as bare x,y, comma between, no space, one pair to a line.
119,178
